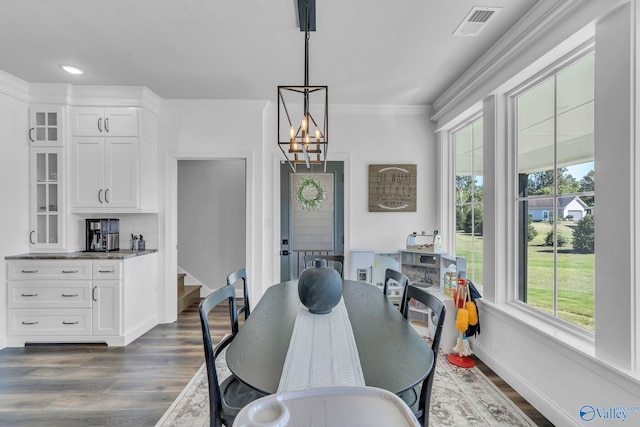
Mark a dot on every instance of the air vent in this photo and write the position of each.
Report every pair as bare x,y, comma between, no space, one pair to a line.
475,21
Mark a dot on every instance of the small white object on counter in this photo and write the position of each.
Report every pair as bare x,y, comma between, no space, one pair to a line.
328,407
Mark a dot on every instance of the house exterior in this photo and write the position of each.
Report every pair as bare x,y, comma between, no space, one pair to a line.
569,208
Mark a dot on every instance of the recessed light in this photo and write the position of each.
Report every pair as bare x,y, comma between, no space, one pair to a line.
72,70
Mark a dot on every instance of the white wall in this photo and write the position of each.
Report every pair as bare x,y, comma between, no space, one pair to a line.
14,180
359,136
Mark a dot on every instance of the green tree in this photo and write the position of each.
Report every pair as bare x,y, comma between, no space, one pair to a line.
473,223
543,182
531,230
562,240
587,183
583,235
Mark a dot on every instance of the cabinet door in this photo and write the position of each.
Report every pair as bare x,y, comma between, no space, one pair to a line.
87,121
88,172
46,192
107,297
121,172
46,125
98,121
121,121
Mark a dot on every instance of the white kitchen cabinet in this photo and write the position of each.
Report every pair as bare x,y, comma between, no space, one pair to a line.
105,173
114,160
98,121
47,206
46,125
88,300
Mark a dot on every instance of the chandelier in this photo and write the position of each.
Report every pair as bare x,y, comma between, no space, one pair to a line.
302,110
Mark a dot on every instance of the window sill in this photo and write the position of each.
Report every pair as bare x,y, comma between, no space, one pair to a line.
564,341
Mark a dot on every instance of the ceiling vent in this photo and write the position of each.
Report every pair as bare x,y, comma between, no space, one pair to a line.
476,20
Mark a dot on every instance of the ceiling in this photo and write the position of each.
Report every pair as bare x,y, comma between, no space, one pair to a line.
367,51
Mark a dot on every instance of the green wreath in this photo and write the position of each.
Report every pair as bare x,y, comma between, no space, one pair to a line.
311,194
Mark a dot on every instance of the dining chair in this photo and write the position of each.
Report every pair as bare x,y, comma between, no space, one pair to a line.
228,398
418,397
335,261
232,279
402,279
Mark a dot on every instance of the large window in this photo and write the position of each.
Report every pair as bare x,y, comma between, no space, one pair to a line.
468,164
556,201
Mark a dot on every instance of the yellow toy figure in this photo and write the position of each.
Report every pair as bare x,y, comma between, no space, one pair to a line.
467,315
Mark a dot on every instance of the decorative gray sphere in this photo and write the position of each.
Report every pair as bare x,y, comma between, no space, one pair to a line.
319,287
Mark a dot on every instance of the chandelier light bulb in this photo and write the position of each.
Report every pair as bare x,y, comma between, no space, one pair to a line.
317,134
303,124
292,133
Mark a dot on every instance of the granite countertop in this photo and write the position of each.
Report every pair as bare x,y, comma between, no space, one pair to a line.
121,254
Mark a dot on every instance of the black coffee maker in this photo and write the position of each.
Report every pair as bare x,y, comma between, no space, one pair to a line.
102,234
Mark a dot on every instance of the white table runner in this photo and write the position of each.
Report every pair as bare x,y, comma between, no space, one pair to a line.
322,352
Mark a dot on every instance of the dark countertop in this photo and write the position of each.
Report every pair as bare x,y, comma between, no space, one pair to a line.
121,254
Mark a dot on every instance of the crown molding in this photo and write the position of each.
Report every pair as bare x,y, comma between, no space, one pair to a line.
409,110
545,25
14,87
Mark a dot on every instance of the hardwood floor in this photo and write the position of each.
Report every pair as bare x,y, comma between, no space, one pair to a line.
95,385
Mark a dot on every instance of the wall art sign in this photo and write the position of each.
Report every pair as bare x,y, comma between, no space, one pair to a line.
392,188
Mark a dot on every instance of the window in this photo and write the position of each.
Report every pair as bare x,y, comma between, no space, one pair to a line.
468,166
556,202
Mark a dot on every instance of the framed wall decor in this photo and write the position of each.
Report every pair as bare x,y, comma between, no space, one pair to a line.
392,188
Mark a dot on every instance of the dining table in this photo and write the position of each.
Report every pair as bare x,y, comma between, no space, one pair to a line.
388,350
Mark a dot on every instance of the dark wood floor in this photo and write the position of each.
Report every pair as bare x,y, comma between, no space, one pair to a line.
96,385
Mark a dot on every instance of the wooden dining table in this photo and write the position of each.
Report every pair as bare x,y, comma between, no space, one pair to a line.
393,356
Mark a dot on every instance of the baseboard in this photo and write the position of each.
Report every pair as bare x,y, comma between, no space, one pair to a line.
546,407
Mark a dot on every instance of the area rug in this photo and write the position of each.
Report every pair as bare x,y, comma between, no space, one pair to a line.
460,397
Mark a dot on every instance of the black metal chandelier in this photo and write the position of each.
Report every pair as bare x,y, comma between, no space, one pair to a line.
304,142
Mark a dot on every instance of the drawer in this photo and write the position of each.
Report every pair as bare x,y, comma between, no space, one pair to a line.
107,270
48,269
50,321
54,294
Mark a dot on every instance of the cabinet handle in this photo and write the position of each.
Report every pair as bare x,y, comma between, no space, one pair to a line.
30,137
100,124
113,270
29,271
93,293
28,295
106,124
70,323
29,323
69,271
106,193
31,237
100,195
69,295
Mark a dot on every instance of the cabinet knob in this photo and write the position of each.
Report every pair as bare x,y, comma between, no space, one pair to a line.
93,293
100,195
31,137
106,125
31,237
106,193
100,124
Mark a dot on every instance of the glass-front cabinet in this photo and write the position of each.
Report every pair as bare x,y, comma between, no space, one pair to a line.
46,198
46,125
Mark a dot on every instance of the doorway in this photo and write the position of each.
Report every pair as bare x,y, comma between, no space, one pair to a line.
310,229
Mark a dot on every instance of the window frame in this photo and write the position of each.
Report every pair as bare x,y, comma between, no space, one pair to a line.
555,67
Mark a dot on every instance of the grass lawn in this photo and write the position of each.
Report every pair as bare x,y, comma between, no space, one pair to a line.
575,274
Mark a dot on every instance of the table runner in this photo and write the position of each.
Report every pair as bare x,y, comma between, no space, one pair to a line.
322,352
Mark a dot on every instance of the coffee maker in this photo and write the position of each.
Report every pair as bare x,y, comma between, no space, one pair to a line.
102,234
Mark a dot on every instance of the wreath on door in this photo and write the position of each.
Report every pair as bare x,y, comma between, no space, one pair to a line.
311,194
